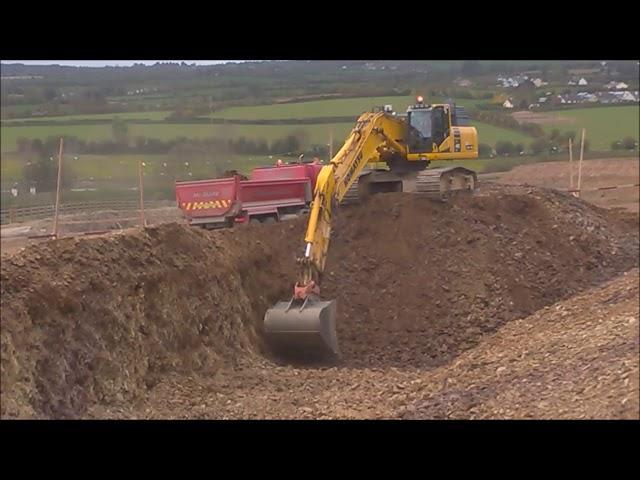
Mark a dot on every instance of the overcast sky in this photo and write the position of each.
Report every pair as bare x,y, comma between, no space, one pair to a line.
103,63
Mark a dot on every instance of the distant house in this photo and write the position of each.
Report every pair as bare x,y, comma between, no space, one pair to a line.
571,82
542,100
507,104
538,82
609,97
628,97
463,82
582,81
570,98
534,105
618,97
621,86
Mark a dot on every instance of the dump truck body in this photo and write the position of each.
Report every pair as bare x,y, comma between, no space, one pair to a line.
270,194
209,203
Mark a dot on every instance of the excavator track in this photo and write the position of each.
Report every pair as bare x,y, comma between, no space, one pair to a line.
437,183
352,197
442,182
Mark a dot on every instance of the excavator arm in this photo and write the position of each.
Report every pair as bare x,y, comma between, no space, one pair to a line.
306,324
366,142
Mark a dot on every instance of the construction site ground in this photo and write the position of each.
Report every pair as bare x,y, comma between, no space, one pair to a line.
623,173
516,302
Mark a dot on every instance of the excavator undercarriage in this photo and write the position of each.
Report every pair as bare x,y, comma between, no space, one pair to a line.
437,183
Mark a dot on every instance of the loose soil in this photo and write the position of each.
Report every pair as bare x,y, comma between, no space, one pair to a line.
516,302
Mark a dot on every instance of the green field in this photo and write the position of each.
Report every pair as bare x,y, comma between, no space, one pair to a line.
320,108
338,107
152,115
10,134
121,169
604,125
317,134
490,134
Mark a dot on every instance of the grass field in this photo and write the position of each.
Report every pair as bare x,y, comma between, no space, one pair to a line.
604,125
153,115
10,134
317,134
490,134
121,169
319,108
325,108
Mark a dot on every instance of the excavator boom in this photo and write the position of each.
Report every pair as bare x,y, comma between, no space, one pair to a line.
305,326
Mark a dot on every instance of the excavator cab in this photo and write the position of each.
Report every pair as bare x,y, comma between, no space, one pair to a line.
428,125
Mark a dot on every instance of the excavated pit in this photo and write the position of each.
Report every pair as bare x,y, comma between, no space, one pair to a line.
167,322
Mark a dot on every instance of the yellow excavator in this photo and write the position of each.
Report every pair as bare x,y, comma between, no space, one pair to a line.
304,326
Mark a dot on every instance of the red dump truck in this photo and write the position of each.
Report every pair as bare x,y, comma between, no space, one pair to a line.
269,195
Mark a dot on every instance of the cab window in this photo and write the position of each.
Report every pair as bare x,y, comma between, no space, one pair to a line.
421,121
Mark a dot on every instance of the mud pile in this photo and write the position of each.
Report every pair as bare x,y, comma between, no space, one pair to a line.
419,281
166,322
98,320
575,359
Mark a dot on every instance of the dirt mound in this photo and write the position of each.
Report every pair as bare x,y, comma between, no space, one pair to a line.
419,281
88,321
575,359
166,322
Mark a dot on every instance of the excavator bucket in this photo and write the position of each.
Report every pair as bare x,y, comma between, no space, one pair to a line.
303,330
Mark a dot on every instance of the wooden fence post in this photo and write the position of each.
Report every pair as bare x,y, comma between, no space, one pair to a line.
55,221
580,164
141,188
570,164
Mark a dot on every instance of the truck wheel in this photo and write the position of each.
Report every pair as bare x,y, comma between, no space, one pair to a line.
269,220
254,221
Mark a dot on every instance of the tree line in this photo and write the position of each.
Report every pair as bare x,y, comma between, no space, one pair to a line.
554,142
289,144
